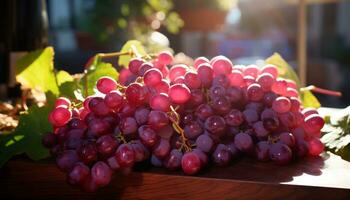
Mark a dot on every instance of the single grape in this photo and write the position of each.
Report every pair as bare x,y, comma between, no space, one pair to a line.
165,58
221,105
280,153
288,119
280,86
162,87
60,116
99,126
216,91
114,99
179,80
221,156
145,67
236,78
126,77
291,92
160,102
205,74
243,142
204,143
62,101
157,119
66,160
271,69
215,125
166,132
193,130
308,111
139,150
162,149
179,93
98,106
125,155
222,65
266,81
204,111
197,98
141,115
248,80
190,163
250,115
313,123
136,94
271,123
88,153
260,130
251,70
287,138
176,71
315,146
173,160
106,145
147,135
192,80
234,118
262,151
281,105
79,173
255,92
135,64
101,173
291,84
152,77
200,60
106,84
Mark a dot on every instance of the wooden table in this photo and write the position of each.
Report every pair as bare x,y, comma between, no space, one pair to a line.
326,177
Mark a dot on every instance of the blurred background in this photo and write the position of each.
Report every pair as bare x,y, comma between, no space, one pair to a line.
243,30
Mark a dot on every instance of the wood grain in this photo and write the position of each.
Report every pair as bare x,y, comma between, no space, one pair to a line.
326,177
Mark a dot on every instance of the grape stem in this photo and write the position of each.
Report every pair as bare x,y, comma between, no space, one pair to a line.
121,138
321,91
175,119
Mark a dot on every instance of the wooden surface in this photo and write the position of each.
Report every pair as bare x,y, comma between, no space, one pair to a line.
326,177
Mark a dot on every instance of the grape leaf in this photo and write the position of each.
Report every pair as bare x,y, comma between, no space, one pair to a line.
286,71
35,70
337,133
26,138
131,46
95,72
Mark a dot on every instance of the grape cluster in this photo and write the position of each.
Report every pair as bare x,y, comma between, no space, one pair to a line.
181,117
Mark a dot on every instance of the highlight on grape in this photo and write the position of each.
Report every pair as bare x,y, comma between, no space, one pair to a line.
181,118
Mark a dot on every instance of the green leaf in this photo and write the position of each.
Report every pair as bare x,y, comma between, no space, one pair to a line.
26,138
337,133
286,71
35,70
66,84
95,72
131,46
309,100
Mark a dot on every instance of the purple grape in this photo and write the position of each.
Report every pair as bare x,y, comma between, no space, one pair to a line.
106,145
234,118
221,156
262,151
250,115
162,149
101,174
221,105
287,139
204,111
280,154
173,160
66,160
234,94
125,155
243,142
141,115
193,130
78,174
147,135
190,163
215,125
204,143
157,119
